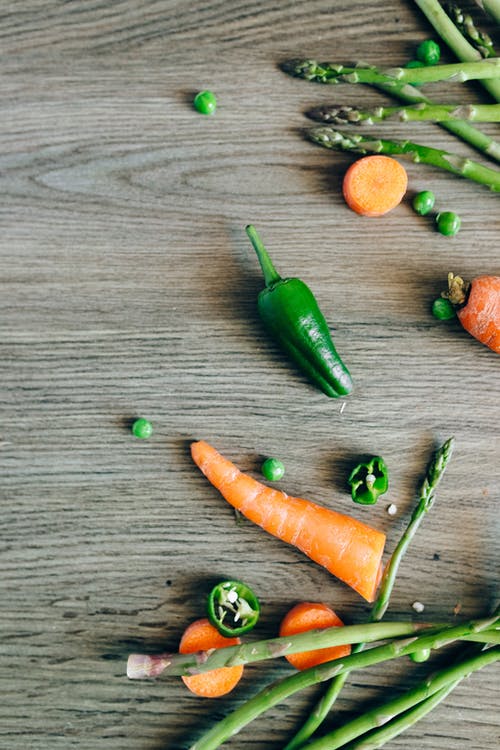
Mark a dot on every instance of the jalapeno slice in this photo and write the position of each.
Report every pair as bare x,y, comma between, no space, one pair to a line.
233,608
368,481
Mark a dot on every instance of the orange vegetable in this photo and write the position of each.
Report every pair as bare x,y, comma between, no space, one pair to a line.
479,307
347,548
374,185
200,636
312,616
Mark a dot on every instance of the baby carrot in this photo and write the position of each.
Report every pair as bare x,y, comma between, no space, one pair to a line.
346,547
374,185
312,616
201,635
478,307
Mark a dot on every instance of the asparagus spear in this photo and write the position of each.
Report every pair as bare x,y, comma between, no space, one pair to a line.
141,666
491,7
465,24
335,73
282,689
409,94
412,95
451,36
464,167
432,478
344,115
443,680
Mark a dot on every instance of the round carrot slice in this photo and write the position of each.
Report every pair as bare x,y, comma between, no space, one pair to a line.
374,185
312,616
200,636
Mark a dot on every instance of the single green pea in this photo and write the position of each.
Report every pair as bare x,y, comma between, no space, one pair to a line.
273,469
448,223
142,429
442,309
419,656
423,202
429,52
414,64
205,103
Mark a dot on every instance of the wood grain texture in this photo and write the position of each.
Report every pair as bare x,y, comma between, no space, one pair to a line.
129,288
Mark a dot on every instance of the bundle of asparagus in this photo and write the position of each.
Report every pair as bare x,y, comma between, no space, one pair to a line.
472,47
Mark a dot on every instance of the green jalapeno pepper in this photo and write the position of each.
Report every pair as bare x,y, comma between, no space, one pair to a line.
368,481
233,608
292,316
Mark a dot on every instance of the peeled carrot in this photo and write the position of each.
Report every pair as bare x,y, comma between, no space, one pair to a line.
347,548
201,635
374,185
312,616
478,307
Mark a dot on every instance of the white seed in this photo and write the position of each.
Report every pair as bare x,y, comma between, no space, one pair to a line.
418,606
232,596
392,509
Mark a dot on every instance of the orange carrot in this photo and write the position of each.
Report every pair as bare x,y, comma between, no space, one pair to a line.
347,548
480,310
200,636
374,185
312,616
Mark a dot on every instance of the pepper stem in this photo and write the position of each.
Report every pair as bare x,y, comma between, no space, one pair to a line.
271,276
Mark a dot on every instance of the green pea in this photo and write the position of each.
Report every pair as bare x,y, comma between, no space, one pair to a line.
429,52
414,64
442,309
448,223
205,103
273,469
420,656
142,429
423,202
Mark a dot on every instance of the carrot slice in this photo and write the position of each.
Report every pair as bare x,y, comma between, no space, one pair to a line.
201,635
312,616
374,185
346,547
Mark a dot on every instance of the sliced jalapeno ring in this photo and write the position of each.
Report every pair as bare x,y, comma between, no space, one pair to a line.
233,608
368,481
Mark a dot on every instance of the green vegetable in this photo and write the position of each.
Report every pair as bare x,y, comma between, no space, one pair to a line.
409,94
430,635
423,202
448,223
233,608
492,8
374,718
292,316
368,481
414,64
347,115
420,656
333,73
434,474
273,469
271,695
429,52
465,24
142,429
342,141
452,37
205,103
443,309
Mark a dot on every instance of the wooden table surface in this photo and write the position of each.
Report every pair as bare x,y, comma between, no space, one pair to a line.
129,289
